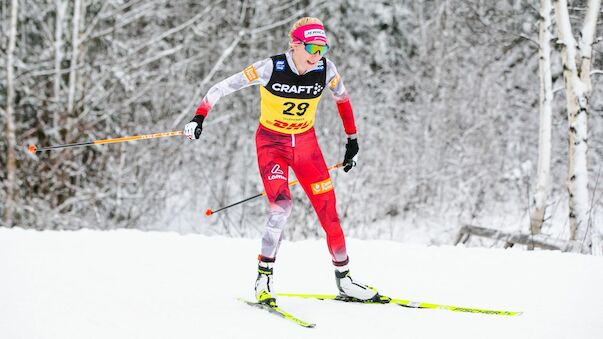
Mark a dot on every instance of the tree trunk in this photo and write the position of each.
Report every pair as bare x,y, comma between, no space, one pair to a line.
587,36
544,139
74,55
11,165
577,85
61,8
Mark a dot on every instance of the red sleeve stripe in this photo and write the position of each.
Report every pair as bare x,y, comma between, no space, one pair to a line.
203,109
347,116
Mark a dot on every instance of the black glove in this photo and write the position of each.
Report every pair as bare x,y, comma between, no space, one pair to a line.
351,150
197,125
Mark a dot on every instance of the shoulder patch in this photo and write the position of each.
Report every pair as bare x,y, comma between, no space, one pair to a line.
280,65
250,73
335,81
320,66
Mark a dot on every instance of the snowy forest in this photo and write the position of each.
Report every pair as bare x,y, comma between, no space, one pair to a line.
450,99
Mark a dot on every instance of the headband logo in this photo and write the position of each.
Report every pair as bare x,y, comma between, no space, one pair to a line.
314,32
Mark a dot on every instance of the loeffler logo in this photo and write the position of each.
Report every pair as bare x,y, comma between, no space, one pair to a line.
277,173
277,169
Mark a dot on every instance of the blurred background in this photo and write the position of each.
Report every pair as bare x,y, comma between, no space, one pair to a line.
445,95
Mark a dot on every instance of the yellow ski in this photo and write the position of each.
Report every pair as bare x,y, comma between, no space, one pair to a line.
279,312
401,302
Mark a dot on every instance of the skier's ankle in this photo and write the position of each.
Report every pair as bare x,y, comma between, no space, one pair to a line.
263,283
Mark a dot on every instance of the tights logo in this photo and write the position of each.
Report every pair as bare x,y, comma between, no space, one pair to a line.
322,186
277,173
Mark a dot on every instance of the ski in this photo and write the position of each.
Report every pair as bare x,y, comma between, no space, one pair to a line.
400,302
279,312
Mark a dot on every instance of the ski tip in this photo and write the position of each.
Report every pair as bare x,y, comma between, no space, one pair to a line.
246,301
273,308
208,212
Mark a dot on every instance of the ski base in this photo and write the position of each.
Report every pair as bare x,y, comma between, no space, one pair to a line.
279,312
401,302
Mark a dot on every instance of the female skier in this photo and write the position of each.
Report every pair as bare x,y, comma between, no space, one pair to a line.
291,86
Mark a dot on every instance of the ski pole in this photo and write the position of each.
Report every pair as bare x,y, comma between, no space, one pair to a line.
209,211
34,149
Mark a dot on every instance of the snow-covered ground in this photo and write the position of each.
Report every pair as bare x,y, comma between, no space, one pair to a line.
132,284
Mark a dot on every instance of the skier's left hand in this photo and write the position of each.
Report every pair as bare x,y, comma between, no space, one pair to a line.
351,154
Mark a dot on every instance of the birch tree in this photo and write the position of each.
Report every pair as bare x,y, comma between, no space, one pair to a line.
10,120
544,136
577,60
61,8
75,45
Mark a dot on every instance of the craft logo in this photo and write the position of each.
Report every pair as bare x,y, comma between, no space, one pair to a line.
280,65
277,173
284,88
250,73
322,187
317,89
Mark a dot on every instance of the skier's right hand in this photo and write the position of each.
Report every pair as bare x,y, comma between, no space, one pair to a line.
194,128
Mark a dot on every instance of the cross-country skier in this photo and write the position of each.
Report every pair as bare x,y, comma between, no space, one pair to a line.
291,86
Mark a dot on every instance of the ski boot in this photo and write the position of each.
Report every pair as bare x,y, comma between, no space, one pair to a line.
264,293
350,290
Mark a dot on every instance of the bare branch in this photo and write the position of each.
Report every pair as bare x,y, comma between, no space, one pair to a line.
208,77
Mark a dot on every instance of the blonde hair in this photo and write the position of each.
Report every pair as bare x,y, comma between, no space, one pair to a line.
303,21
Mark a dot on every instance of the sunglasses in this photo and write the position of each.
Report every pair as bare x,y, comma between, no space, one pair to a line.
314,48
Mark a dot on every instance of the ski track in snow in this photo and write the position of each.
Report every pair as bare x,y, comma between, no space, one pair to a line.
133,284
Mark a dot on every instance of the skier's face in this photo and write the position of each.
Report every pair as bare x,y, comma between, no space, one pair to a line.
303,54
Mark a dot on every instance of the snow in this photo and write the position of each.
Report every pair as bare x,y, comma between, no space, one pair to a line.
133,284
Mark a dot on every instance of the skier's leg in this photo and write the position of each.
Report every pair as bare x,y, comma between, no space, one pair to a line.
273,163
280,208
311,171
274,167
313,175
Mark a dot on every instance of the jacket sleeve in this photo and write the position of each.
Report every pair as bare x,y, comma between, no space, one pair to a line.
342,99
258,73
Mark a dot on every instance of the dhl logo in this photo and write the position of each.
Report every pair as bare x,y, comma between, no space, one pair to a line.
292,126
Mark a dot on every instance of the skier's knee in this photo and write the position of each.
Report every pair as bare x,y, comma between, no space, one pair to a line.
279,213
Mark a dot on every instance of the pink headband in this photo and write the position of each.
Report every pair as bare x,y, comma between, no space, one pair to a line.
310,32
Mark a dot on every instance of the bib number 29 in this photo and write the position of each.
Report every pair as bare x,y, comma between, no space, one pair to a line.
300,108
